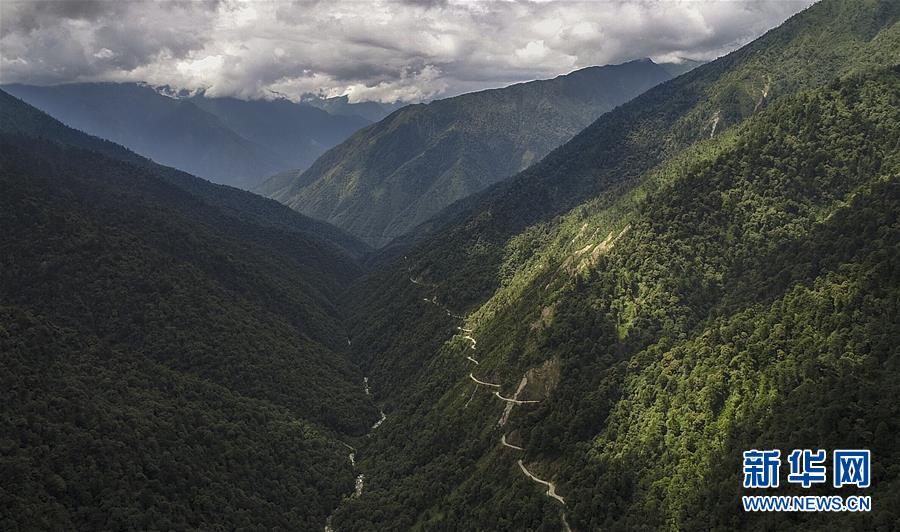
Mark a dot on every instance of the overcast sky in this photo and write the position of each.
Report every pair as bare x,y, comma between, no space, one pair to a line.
370,50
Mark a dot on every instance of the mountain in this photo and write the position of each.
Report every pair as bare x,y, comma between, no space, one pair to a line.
297,134
340,105
19,119
229,141
394,175
707,269
684,66
173,352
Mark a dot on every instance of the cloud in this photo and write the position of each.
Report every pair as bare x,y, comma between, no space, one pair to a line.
383,50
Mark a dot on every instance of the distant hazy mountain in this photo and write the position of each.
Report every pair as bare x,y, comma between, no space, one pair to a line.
683,67
17,118
226,140
298,134
394,175
340,105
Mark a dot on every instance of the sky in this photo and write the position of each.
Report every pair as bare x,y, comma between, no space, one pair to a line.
372,50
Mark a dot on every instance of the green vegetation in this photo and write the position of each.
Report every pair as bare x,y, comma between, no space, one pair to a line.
758,294
17,118
701,296
392,176
711,267
101,438
835,39
752,288
166,362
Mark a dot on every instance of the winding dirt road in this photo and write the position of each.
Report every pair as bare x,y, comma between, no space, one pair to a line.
420,283
562,517
380,421
492,385
507,444
551,488
515,401
474,341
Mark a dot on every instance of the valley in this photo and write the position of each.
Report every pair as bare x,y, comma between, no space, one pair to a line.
551,488
396,174
358,277
536,277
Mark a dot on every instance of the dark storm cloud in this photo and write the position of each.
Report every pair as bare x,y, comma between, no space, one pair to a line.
409,50
73,40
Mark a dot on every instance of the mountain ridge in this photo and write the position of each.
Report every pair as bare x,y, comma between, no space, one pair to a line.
393,175
591,344
20,118
166,349
656,234
227,140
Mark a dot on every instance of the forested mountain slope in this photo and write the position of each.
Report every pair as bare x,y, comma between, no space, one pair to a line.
394,175
825,41
478,246
17,118
166,363
229,141
743,297
669,290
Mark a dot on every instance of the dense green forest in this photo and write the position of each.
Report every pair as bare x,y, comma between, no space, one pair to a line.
674,293
498,242
168,362
394,175
711,267
100,437
826,41
751,288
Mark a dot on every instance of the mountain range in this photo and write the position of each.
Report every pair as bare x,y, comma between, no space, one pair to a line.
394,175
156,327
227,140
709,268
588,340
341,105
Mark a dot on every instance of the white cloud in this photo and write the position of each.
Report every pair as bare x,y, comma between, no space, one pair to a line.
410,87
532,52
376,49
